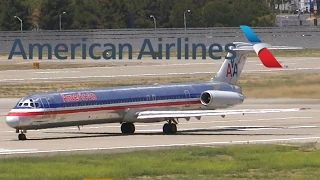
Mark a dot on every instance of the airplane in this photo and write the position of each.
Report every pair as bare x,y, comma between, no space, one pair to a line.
146,103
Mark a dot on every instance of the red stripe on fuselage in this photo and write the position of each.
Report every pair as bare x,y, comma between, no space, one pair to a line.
69,111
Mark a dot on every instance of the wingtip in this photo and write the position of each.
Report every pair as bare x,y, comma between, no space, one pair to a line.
304,109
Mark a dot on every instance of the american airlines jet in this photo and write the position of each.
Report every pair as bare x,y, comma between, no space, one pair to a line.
145,103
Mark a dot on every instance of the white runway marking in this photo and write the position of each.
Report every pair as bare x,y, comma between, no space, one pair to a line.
15,150
238,128
33,151
300,127
107,76
54,72
146,75
161,124
151,65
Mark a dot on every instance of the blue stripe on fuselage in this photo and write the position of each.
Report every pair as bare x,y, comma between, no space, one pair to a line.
114,95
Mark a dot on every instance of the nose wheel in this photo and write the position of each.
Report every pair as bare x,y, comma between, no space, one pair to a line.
22,137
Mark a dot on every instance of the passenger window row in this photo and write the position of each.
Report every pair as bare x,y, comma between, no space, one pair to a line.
120,101
148,98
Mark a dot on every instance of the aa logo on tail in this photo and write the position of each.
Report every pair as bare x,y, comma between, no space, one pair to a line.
232,68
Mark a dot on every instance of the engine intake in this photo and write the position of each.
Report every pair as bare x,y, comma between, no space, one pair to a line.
213,99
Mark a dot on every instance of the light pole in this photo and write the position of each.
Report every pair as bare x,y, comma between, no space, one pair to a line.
185,21
310,7
60,19
36,24
20,22
281,7
154,20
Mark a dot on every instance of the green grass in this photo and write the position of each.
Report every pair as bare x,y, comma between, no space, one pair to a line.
229,162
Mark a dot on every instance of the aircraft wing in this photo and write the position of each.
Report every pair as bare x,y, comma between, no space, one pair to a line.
199,113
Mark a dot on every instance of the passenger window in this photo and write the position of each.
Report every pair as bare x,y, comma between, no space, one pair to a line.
37,105
25,104
20,104
31,104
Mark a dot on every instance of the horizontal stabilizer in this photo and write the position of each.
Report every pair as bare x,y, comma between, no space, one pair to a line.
251,48
264,53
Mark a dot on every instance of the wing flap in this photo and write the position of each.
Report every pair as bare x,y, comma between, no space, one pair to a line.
199,113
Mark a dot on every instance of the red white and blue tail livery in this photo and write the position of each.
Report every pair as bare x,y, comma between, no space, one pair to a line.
262,49
144,103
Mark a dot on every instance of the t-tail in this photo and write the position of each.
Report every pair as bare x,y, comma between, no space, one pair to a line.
231,68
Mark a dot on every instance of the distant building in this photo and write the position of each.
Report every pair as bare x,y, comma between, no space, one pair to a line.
305,5
293,6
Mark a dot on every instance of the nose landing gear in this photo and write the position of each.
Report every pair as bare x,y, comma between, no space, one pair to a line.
22,136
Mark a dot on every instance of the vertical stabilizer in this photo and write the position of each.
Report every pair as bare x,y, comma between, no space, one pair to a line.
232,68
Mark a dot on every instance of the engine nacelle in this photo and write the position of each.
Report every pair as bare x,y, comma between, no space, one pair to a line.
213,99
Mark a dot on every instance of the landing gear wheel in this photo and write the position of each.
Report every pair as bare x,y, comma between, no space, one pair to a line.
22,137
127,128
166,128
169,128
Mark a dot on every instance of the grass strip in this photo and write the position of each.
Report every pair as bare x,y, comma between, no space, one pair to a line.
226,162
288,85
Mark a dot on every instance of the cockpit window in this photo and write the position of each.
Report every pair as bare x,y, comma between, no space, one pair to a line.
29,103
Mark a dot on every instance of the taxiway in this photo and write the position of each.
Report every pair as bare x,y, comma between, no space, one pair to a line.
302,126
146,68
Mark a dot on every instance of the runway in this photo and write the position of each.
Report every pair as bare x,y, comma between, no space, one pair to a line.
147,68
302,126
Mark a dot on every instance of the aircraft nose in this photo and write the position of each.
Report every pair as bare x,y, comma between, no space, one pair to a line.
13,121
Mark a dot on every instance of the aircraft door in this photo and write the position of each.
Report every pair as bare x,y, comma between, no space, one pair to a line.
154,97
46,105
187,95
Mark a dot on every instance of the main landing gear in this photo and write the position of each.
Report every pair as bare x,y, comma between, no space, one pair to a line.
127,128
22,136
169,128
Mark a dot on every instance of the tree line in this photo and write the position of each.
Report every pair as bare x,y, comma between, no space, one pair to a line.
114,14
